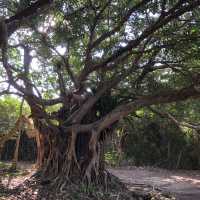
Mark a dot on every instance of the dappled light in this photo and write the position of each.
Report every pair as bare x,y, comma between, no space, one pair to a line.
180,183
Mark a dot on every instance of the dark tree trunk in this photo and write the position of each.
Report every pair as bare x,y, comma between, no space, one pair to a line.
71,156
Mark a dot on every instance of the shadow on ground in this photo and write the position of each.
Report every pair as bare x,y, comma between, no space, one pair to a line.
184,185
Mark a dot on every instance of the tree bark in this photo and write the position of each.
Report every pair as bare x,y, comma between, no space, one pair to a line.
40,149
72,156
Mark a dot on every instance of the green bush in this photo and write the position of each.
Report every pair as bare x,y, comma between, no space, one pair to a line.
161,144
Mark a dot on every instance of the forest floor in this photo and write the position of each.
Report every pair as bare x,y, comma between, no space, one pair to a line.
184,185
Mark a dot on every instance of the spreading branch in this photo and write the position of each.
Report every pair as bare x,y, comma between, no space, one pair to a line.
174,120
163,98
143,101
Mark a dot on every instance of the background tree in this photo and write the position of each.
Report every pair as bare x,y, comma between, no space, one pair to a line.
9,112
77,54
162,136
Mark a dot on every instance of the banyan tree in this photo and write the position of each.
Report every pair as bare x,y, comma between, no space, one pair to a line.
84,65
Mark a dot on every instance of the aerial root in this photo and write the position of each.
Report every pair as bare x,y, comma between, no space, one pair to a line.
93,166
71,155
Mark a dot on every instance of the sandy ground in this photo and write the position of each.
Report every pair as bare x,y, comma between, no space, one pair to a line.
184,185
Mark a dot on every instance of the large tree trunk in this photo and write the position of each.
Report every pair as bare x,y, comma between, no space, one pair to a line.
40,149
71,156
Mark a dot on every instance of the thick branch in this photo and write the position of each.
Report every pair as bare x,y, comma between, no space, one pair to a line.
14,22
78,116
174,120
125,109
6,92
27,12
167,97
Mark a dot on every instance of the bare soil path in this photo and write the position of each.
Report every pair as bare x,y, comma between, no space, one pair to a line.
184,185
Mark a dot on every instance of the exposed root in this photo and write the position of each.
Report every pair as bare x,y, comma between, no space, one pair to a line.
62,163
33,189
93,166
71,155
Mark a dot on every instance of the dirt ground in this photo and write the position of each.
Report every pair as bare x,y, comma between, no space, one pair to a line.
184,185
12,180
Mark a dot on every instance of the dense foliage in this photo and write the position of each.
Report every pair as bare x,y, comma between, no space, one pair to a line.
159,142
9,112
